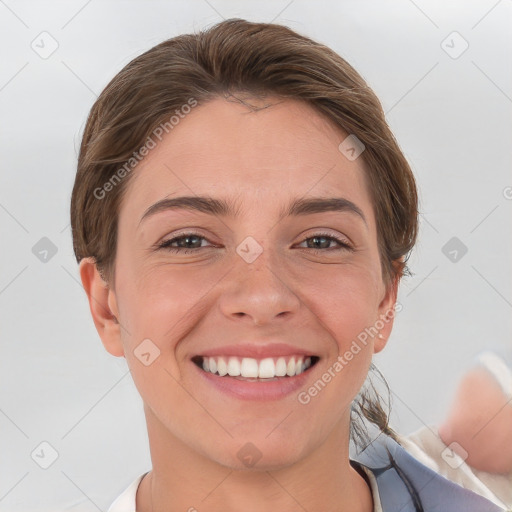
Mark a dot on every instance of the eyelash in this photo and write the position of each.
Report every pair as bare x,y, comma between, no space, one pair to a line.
344,246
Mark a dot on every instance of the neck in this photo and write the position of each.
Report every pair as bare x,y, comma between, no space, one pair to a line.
184,480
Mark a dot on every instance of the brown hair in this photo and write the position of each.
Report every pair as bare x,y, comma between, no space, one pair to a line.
236,56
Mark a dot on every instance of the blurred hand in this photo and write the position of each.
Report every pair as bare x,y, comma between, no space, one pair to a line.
480,418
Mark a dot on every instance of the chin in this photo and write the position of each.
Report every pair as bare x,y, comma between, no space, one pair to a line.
260,455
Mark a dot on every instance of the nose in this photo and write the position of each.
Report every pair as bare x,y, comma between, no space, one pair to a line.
257,292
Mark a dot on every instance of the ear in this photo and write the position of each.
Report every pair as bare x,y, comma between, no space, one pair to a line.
103,306
386,315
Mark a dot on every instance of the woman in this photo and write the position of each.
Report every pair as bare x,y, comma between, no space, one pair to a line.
242,216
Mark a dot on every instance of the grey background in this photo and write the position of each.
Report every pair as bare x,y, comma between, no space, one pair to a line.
449,112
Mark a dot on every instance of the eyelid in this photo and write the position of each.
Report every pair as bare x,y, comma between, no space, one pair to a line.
344,242
192,230
324,232
182,234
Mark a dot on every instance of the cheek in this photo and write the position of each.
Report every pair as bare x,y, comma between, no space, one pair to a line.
162,301
343,298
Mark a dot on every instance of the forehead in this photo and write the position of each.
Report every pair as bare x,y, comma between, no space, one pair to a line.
261,148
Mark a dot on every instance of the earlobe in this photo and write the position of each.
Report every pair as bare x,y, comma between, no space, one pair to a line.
384,323
103,306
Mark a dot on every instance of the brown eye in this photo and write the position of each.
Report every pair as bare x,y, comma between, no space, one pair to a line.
323,241
186,243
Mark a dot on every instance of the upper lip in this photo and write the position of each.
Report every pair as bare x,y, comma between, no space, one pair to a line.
256,351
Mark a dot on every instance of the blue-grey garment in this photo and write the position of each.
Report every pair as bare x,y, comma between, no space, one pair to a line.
437,493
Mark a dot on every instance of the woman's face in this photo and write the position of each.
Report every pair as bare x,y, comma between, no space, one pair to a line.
252,281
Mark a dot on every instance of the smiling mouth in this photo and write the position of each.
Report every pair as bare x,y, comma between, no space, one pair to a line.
248,368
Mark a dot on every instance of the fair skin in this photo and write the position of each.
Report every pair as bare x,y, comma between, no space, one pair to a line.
480,421
310,293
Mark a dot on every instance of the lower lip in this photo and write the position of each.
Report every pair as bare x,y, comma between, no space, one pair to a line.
260,390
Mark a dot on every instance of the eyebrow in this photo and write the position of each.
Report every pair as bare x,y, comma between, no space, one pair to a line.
221,207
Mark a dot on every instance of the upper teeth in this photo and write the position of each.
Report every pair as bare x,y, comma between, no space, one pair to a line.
248,367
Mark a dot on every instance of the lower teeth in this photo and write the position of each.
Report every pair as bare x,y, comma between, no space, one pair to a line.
255,379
